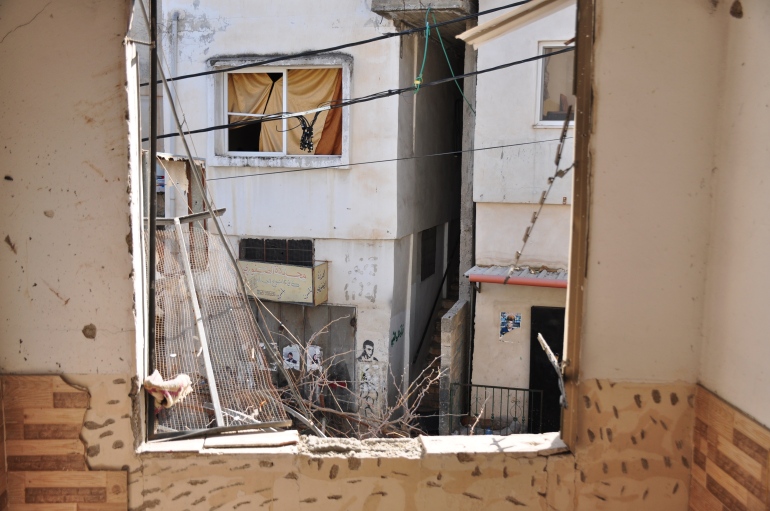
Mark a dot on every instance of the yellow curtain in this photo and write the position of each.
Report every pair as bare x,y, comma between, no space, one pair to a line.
248,93
307,89
331,137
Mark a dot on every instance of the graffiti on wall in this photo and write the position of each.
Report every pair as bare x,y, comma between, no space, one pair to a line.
396,335
371,381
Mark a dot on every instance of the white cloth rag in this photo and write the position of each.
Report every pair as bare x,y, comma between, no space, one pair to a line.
167,393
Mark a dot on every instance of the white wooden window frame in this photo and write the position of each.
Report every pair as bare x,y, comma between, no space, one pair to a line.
217,152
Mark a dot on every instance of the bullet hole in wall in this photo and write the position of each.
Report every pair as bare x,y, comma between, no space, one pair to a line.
89,331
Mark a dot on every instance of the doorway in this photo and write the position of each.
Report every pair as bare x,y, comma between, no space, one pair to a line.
548,321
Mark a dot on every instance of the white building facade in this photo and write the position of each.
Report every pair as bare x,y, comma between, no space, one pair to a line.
520,114
369,221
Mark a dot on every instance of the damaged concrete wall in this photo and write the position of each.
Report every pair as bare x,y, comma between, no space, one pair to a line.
634,452
65,265
735,321
455,343
650,204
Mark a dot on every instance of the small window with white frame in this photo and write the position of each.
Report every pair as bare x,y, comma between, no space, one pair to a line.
555,91
319,137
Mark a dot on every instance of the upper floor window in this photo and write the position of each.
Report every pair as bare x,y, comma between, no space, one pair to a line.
251,95
556,91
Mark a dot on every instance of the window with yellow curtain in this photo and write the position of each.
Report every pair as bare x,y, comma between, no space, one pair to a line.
251,95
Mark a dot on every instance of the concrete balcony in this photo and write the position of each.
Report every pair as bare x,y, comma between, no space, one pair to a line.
412,12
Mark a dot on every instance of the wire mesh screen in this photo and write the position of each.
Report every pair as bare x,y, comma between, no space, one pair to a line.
238,369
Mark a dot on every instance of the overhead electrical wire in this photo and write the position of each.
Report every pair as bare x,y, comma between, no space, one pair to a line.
363,99
447,153
311,53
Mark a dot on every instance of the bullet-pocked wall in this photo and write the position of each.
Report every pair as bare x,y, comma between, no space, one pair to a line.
634,448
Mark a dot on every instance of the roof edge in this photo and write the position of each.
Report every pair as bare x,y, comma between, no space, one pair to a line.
517,18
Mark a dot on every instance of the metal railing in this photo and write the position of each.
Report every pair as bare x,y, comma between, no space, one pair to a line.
487,409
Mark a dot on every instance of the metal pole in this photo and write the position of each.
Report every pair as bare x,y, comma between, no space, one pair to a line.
199,324
152,197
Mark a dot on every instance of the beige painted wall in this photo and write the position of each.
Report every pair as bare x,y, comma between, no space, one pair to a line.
506,363
65,262
655,97
500,230
736,322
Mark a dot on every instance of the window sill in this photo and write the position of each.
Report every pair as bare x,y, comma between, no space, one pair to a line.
283,442
555,125
288,162
517,446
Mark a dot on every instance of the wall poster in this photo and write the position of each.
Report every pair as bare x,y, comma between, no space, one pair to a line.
509,322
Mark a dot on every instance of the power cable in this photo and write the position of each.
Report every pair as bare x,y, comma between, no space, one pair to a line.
448,153
341,46
371,97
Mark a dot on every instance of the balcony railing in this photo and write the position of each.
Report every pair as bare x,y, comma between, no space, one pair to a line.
491,410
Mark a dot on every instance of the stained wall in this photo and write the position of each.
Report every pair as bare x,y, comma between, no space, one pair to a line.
737,290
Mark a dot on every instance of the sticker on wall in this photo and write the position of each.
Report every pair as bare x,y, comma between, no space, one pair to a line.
291,357
509,323
314,357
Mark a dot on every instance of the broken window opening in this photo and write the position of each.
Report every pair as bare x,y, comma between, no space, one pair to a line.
251,95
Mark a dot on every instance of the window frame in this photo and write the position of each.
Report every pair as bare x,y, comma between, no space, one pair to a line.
218,152
539,122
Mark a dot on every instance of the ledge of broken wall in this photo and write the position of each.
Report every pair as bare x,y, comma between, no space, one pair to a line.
634,451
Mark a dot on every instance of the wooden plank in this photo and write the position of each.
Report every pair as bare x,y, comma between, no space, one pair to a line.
746,462
581,199
117,487
103,506
701,499
750,447
93,478
755,504
27,392
14,431
713,472
699,474
45,507
49,431
59,385
740,475
13,416
53,416
46,463
753,430
43,447
70,400
90,494
16,483
721,417
724,496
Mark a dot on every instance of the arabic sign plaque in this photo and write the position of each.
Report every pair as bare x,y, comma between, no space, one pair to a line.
285,283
